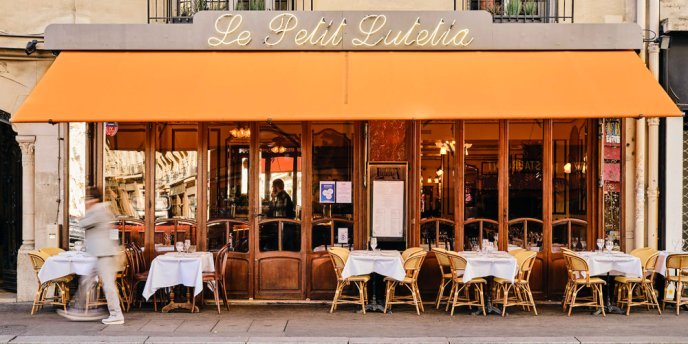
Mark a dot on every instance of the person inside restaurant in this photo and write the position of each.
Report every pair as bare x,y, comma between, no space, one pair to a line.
281,205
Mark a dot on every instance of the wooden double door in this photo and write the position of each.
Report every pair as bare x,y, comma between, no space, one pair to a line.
268,199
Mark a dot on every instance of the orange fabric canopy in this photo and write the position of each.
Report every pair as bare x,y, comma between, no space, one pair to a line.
257,86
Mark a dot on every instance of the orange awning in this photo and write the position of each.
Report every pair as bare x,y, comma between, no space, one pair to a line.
257,86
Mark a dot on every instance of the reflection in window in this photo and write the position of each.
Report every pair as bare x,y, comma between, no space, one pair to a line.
481,192
124,176
280,170
233,233
569,185
329,232
279,235
525,184
175,171
438,151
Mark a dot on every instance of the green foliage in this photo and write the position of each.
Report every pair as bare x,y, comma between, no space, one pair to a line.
530,7
513,7
250,5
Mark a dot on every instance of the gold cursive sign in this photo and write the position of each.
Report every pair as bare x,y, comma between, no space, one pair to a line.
372,31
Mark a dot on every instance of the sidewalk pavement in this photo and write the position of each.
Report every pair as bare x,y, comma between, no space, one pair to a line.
312,323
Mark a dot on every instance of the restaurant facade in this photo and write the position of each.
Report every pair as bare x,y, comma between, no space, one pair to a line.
297,131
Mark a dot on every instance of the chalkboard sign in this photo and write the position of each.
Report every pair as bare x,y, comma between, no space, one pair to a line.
387,195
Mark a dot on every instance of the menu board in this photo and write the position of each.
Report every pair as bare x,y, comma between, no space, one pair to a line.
387,194
388,209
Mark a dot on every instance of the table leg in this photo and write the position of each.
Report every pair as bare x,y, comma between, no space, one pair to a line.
373,304
608,306
487,295
177,305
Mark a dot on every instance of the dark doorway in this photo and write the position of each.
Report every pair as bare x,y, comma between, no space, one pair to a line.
10,203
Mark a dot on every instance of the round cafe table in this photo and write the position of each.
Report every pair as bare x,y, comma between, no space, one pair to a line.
489,265
176,268
608,264
382,262
67,263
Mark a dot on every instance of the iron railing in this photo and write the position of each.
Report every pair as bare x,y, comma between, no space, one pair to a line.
525,11
503,11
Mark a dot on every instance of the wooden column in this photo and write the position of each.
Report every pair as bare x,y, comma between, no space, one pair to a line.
459,188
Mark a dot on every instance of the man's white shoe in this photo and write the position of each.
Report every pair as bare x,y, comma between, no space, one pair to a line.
114,320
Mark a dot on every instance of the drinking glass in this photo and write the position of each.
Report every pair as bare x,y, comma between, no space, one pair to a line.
373,243
187,244
77,246
180,246
677,245
600,244
609,245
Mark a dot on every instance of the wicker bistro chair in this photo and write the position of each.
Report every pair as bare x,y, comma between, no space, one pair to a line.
61,286
460,291
338,256
410,252
122,280
521,285
139,274
516,251
445,274
51,251
679,264
412,266
579,278
217,279
644,285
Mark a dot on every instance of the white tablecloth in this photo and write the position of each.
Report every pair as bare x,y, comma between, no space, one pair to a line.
497,264
67,263
386,263
660,267
178,268
615,263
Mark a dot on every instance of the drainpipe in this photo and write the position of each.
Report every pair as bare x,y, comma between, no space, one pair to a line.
639,209
653,132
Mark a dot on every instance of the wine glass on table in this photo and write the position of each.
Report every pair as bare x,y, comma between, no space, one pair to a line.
179,246
600,244
187,244
373,243
608,245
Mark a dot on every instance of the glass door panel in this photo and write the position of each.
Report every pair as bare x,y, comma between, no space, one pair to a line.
124,173
438,151
176,161
228,187
481,183
525,150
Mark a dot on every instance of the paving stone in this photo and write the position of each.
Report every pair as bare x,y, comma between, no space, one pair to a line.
232,326
80,339
200,326
299,340
515,340
198,339
407,340
162,325
5,339
633,340
268,326
128,326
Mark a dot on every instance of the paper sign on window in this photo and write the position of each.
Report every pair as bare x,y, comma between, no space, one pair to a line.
342,235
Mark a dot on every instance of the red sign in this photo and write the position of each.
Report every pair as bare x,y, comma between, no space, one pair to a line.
111,128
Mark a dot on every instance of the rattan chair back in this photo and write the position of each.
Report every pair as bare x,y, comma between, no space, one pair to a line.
525,261
442,259
515,252
338,256
410,252
413,263
637,251
457,263
678,262
37,260
51,251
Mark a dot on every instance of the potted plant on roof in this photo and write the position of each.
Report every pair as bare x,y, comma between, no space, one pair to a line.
530,8
513,9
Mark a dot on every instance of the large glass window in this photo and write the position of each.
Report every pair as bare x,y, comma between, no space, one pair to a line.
569,184
332,185
124,172
280,187
228,186
176,161
481,192
525,184
438,151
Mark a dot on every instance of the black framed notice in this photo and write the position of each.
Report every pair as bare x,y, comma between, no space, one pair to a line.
387,196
